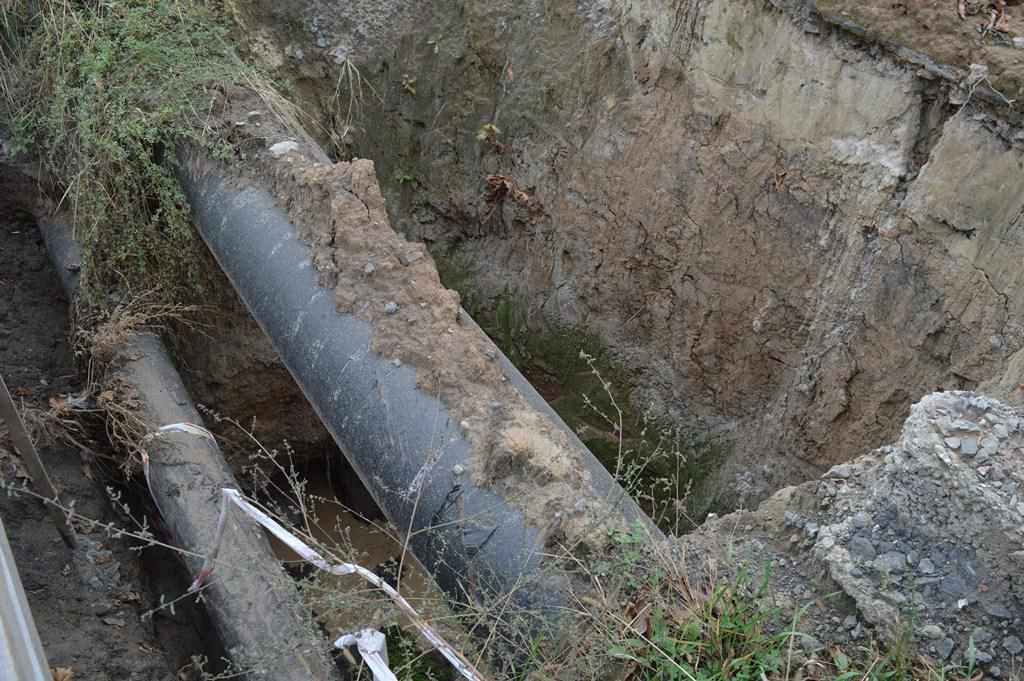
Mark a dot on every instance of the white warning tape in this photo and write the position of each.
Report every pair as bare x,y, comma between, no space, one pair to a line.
191,429
232,496
374,648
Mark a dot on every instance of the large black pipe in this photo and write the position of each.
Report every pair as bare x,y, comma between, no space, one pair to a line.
405,444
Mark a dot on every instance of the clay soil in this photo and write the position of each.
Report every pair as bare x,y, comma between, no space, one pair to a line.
87,602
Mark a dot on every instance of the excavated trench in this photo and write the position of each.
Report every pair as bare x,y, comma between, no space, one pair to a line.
772,233
775,234
115,607
770,265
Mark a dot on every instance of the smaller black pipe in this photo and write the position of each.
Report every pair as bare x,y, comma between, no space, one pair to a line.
256,609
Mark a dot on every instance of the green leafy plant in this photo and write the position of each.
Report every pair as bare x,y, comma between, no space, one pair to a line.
727,635
102,93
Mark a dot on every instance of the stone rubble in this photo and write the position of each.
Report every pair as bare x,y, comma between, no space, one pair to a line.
926,530
925,536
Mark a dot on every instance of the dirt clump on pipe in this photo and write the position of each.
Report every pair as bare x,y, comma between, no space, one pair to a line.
381,278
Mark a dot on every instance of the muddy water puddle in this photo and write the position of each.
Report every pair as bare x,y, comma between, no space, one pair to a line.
348,603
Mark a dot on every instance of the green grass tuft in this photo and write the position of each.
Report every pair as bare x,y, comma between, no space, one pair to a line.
100,93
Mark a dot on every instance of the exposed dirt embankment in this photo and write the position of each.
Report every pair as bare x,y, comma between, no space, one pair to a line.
790,232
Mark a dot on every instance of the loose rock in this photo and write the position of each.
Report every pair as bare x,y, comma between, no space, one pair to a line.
282,148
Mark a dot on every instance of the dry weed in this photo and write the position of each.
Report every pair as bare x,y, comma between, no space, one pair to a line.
350,80
125,429
100,339
61,423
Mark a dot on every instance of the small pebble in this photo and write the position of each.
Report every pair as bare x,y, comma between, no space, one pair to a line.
997,610
842,471
810,644
391,308
281,148
862,548
409,258
981,635
1013,645
891,562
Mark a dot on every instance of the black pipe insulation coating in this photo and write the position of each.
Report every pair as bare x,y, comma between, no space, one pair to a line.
405,444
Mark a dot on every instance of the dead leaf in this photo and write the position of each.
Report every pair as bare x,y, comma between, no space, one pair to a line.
23,392
62,673
641,619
